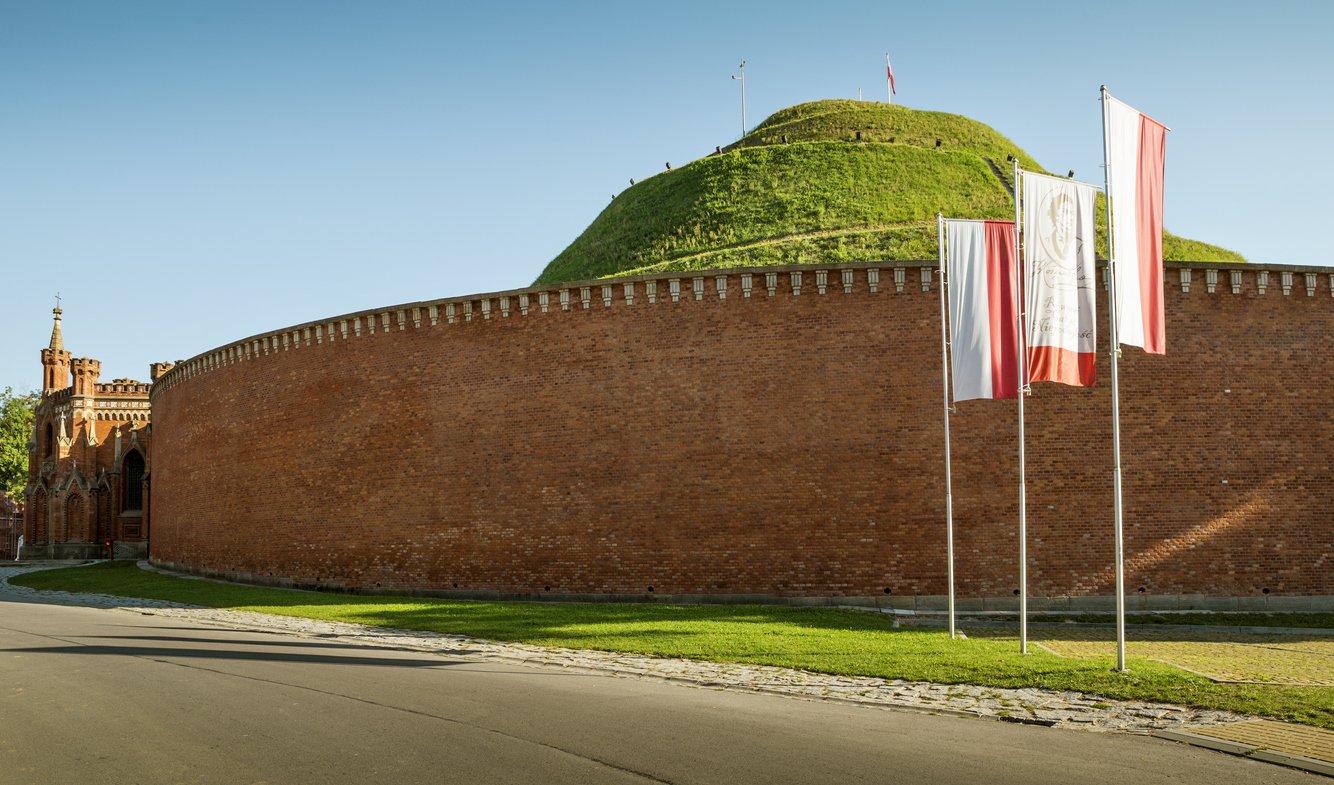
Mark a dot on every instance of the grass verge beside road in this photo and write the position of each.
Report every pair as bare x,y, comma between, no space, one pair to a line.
1210,619
816,639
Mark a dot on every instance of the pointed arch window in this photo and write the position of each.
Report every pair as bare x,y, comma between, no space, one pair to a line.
50,442
132,474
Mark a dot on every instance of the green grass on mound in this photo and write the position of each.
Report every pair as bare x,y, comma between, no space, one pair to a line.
761,203
823,640
821,196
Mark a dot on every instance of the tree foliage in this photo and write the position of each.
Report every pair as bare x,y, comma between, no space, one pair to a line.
16,417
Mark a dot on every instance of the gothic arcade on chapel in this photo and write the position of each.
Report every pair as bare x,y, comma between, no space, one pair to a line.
88,460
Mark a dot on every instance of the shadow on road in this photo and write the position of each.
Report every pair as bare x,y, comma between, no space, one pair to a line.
233,642
258,652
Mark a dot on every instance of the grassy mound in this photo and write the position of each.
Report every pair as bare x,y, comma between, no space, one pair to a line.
802,188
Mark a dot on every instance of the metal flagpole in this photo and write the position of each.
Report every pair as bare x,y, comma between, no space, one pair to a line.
1023,375
742,78
945,375
1116,398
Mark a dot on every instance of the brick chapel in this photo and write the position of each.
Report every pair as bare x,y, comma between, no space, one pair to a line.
88,460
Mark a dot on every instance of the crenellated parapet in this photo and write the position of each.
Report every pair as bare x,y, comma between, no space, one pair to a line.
124,387
889,278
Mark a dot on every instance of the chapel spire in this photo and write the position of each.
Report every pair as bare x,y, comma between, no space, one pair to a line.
57,340
55,360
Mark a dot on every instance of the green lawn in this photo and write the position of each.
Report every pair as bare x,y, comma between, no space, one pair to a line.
824,640
1219,619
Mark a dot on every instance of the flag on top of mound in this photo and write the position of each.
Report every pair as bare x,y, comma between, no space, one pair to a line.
984,333
1059,278
1135,149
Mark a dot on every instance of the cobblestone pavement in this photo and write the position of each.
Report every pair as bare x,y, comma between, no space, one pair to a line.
1046,707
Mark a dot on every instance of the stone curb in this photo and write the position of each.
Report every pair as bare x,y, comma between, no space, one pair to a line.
1249,751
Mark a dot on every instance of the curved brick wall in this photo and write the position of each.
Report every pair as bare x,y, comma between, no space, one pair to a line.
780,444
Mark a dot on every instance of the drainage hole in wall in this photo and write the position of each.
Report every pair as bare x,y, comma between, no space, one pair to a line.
888,590
650,589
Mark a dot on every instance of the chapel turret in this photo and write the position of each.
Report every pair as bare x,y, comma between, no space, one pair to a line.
55,360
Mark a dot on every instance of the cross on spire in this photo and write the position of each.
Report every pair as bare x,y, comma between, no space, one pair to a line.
57,341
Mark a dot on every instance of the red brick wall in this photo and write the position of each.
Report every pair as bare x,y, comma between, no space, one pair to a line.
784,445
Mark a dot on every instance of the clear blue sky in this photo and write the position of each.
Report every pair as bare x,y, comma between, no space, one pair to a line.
189,173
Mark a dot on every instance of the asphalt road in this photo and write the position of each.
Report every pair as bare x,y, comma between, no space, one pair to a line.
114,696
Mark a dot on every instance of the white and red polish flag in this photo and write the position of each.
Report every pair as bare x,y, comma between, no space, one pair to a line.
1135,148
1059,279
984,333
889,72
